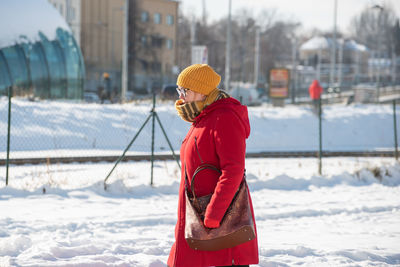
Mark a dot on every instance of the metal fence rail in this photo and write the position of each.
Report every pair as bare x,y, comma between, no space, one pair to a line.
267,154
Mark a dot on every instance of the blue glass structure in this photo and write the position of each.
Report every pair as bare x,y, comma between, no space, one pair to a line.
38,53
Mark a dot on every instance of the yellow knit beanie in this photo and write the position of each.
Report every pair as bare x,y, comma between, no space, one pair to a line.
199,78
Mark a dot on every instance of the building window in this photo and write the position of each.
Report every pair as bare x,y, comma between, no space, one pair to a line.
61,10
169,44
170,20
73,13
144,65
145,16
156,41
156,66
143,39
157,18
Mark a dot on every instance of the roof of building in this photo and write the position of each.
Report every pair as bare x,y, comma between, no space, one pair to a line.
320,42
22,20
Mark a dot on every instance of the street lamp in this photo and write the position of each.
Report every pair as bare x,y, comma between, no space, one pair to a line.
378,76
125,43
257,57
333,48
228,50
294,66
293,74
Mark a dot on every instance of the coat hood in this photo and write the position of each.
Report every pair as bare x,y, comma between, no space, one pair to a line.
228,104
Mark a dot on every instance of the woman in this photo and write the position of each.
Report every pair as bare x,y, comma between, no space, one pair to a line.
220,126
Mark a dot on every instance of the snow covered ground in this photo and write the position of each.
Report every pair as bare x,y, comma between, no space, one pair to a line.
350,216
60,215
53,128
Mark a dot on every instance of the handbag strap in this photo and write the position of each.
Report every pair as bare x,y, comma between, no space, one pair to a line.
198,169
202,167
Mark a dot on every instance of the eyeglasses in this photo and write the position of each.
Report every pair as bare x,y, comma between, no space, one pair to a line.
182,91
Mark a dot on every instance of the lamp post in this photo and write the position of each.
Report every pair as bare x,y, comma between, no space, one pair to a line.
319,63
378,76
124,78
294,66
257,57
340,70
228,51
293,74
333,49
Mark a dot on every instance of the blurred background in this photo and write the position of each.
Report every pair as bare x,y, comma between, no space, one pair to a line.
80,81
120,50
58,55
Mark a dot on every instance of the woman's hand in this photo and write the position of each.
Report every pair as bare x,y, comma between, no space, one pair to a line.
210,223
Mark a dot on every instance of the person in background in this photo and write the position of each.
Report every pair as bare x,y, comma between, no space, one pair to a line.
315,90
218,133
107,87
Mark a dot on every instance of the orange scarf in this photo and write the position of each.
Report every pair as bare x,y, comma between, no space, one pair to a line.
189,111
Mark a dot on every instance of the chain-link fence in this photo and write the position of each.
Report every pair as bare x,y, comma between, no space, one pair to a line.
48,129
66,129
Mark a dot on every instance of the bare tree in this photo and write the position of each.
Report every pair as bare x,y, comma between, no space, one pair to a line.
183,42
374,27
396,37
275,42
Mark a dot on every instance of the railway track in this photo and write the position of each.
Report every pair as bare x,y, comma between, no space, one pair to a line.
269,154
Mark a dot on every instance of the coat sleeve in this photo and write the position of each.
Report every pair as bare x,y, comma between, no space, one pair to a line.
230,145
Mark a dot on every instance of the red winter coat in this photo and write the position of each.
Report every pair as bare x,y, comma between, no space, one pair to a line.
315,90
220,131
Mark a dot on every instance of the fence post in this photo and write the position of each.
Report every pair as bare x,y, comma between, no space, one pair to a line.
8,132
152,136
320,137
396,152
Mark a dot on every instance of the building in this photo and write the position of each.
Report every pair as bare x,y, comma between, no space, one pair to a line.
155,52
152,50
351,60
39,57
71,11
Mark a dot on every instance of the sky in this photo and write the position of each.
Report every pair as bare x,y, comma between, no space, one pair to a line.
311,13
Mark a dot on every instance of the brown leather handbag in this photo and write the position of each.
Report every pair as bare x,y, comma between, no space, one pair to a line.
236,226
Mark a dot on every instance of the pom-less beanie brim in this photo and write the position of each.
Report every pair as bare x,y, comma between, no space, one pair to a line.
200,78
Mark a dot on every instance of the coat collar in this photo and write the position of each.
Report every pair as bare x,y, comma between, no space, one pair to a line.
227,103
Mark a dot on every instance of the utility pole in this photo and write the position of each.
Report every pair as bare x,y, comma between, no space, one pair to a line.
333,49
204,16
193,32
228,51
192,39
257,57
378,54
319,64
340,74
358,60
294,67
125,42
393,68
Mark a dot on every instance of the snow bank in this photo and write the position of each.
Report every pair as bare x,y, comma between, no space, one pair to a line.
125,182
347,217
48,128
